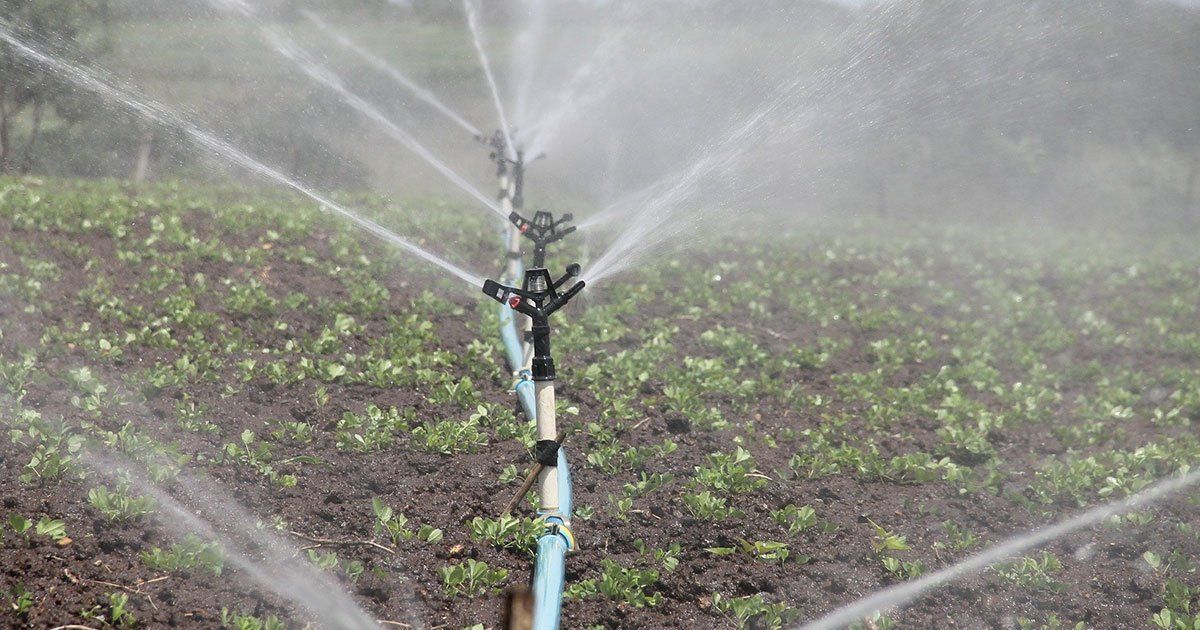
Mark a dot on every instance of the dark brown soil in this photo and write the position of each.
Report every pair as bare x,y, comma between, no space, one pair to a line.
1107,583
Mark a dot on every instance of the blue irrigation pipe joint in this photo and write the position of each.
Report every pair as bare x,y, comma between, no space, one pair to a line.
557,526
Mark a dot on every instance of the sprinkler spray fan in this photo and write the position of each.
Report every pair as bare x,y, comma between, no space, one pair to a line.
543,230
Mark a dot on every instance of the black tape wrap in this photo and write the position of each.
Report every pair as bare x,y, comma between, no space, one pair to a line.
545,452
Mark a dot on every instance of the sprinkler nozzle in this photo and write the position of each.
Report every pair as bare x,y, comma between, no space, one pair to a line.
538,298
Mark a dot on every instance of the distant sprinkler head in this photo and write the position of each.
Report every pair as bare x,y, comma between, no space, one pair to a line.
542,230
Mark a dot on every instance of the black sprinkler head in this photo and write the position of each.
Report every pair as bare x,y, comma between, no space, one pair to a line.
538,298
542,230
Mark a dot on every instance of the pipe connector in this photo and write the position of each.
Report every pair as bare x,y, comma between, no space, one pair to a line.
556,525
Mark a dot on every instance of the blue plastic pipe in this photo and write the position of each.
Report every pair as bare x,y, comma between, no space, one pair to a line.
549,573
515,352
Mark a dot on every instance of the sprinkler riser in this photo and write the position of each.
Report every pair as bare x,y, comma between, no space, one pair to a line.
518,176
503,195
542,365
547,429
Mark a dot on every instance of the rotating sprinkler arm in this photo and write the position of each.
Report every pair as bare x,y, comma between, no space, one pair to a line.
538,299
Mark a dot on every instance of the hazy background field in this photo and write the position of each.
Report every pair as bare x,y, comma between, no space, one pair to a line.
1068,111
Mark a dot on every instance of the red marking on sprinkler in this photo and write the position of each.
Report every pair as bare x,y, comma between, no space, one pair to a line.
525,228
514,301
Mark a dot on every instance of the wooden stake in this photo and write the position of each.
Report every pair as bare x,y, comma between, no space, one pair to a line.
529,480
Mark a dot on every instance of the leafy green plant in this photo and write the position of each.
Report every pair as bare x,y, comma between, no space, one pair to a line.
507,532
324,561
120,504
1034,573
903,569
55,449
730,473
189,553
754,612
1178,601
885,541
957,538
20,600
449,437
373,429
765,550
620,584
239,621
796,519
471,578
394,525
256,454
55,529
669,557
19,524
706,507
119,614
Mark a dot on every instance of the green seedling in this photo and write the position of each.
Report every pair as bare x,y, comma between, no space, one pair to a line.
507,532
471,578
238,621
904,570
20,600
1033,573
120,504
754,612
730,473
189,553
885,541
326,561
706,507
764,550
796,519
619,584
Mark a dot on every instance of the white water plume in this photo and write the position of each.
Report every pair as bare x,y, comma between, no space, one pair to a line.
477,38
658,205
287,47
815,113
259,555
165,116
589,84
908,592
391,71
527,51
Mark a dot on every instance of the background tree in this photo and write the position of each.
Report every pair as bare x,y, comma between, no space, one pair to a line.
26,89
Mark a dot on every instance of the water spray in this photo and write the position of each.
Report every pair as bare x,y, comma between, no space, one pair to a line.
477,39
538,299
211,142
383,66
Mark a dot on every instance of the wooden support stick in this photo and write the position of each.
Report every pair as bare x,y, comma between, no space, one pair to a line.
529,480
